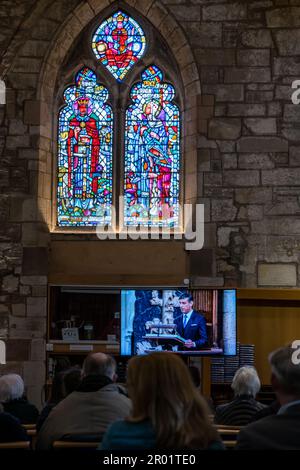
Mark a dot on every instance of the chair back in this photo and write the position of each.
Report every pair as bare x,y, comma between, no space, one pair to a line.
29,426
225,427
79,441
229,444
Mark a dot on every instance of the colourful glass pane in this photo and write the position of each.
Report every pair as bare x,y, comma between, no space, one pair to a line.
152,154
85,128
119,42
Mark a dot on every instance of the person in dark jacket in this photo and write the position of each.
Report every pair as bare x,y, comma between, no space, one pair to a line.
89,410
10,428
13,399
240,411
196,378
64,383
269,410
280,431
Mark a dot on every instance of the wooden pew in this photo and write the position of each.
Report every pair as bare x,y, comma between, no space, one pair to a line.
225,426
229,444
31,432
29,427
62,445
228,434
15,445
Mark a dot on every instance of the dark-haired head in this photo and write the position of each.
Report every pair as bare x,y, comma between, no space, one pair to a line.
71,380
186,295
62,363
57,393
64,383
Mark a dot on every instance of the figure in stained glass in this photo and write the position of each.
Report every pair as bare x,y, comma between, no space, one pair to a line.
119,42
152,155
85,154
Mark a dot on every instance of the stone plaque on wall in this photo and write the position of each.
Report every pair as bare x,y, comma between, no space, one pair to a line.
277,274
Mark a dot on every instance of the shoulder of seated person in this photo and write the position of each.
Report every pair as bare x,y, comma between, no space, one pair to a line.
114,387
5,416
259,424
263,405
117,425
216,445
221,407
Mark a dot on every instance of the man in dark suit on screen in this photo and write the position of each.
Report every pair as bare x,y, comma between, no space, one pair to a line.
191,325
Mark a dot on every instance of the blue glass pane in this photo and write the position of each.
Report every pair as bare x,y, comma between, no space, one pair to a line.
119,42
152,153
84,192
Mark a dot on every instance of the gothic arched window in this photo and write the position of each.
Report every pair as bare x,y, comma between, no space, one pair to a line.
89,157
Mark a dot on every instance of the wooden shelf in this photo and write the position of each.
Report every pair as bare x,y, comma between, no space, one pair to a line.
84,347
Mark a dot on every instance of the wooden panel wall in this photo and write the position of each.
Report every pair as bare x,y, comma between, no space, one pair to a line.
118,263
268,318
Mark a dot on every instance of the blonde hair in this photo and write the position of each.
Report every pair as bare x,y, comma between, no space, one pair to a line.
162,391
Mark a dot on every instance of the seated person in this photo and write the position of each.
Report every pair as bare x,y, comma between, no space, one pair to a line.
239,412
10,428
196,378
96,403
13,399
64,383
167,412
191,325
280,431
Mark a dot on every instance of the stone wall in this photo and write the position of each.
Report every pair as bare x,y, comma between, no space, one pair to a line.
242,162
249,135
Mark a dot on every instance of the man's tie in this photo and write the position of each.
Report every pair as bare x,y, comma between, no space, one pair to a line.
184,321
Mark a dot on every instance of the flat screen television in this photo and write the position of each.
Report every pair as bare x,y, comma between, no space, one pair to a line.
196,322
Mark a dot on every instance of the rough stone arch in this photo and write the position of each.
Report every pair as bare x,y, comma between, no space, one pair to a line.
174,36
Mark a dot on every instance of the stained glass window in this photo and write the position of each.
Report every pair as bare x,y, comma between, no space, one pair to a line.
152,154
84,191
119,42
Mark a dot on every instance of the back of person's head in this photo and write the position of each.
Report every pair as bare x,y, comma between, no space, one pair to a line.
99,364
11,387
71,380
57,393
62,363
162,391
246,382
64,383
195,375
186,295
285,372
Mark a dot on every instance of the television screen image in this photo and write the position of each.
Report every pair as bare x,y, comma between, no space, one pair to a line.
197,322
